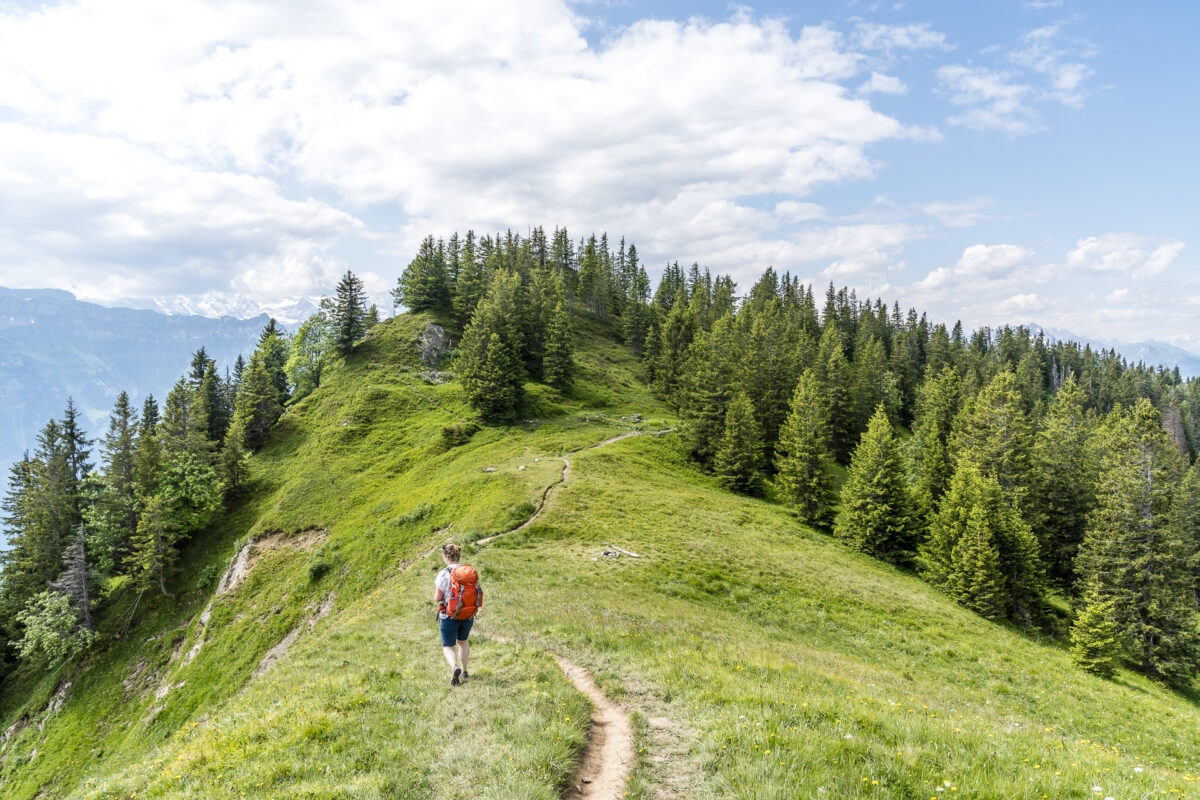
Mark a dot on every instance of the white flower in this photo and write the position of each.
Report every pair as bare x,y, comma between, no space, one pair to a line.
848,736
1137,769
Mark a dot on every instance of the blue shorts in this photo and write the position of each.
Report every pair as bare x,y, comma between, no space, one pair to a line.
455,629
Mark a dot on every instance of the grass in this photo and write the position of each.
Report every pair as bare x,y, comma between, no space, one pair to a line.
761,659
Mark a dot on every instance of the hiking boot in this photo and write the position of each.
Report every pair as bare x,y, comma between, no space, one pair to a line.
454,680
464,675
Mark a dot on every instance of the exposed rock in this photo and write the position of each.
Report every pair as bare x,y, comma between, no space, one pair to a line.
433,344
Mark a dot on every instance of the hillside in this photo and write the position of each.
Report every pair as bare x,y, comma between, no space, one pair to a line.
53,346
758,658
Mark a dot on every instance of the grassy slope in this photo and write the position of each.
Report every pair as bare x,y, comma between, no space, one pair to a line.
762,659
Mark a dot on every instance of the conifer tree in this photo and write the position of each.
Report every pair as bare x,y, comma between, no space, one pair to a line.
258,405
973,492
937,405
273,351
995,434
706,388
423,286
112,518
1094,645
558,363
471,284
977,581
593,278
75,581
232,462
348,315
1065,474
372,317
1133,554
674,339
834,374
737,460
876,514
802,475
490,353
154,550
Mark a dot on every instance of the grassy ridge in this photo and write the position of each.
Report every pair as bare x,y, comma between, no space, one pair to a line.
762,660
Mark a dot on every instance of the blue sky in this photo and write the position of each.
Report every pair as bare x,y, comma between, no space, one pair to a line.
995,162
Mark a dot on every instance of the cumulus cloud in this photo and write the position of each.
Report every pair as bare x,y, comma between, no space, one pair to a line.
1047,65
886,84
959,215
1124,253
991,99
242,141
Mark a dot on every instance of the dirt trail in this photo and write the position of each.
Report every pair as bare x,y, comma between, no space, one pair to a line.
566,475
608,756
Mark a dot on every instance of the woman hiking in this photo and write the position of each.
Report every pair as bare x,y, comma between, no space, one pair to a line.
458,596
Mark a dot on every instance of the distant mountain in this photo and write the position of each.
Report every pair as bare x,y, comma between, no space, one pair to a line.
53,346
1152,353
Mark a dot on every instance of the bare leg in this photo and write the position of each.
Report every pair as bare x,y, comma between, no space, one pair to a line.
451,657
464,653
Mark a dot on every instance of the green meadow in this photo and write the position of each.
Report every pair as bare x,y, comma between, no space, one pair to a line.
759,658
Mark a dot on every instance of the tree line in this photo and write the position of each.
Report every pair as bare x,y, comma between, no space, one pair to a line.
81,534
1004,467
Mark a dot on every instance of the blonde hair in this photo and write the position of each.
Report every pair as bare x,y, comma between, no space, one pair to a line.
452,551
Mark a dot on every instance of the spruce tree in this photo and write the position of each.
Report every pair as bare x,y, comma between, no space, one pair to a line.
1094,645
1133,553
977,581
471,284
75,581
112,518
372,317
154,546
995,433
348,316
273,350
258,405
738,458
937,405
490,352
558,362
975,494
1065,474
876,515
423,286
802,475
706,387
834,374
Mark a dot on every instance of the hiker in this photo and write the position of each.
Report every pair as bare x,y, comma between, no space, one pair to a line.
458,596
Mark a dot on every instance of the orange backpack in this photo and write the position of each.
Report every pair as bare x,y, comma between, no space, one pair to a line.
465,596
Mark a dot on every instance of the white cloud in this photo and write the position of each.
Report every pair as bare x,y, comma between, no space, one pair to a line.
959,215
1126,253
244,140
886,84
993,99
1042,51
876,36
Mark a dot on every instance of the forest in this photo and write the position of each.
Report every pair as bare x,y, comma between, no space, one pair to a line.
1037,482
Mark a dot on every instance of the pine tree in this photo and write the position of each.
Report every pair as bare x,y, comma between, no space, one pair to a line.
977,581
273,350
1094,645
802,474
348,316
154,550
232,462
738,457
112,519
995,433
372,318
257,406
706,388
975,493
1065,474
876,514
423,286
937,405
558,363
593,278
1132,552
490,352
75,581
834,374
